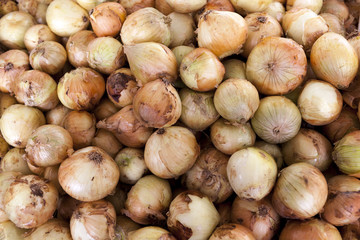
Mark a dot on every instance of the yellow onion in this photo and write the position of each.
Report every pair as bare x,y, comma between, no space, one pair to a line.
208,176
8,6
334,60
131,164
180,52
38,34
6,100
197,109
336,7
170,152
66,17
232,231
81,126
231,137
157,104
51,174
13,27
272,149
36,89
17,123
276,66
351,231
314,5
121,87
343,205
66,207
89,174
244,6
219,5
14,161
252,173
201,70
260,26
163,7
9,231
308,146
234,68
107,18
56,115
259,216
30,201
35,169
126,128
192,216
53,229
320,103
6,179
224,210
90,4
105,109
277,119
135,5
118,197
182,28
150,232
81,89
236,100
37,8
309,229
148,200
76,47
93,220
334,23
141,60
48,145
300,191
124,226
106,141
146,25
276,10
222,32
185,6
12,64
4,148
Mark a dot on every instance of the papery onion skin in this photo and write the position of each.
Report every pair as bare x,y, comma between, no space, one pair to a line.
118,197
8,6
37,34
243,6
105,109
66,207
234,68
135,5
182,28
8,230
334,60
150,232
276,66
334,23
182,6
107,141
232,231
90,4
336,7
310,229
219,5
52,229
30,201
351,231
163,7
272,149
14,161
76,47
124,226
300,192
89,174
6,100
6,179
276,10
314,5
56,115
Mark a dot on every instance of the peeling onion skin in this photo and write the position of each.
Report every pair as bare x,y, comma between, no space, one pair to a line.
297,184
30,201
37,34
232,231
53,229
6,178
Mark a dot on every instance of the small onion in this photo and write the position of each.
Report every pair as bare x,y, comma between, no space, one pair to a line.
18,122
351,231
300,192
222,32
14,161
208,175
135,5
163,7
89,174
150,232
53,229
170,152
124,226
90,4
229,138
180,52
234,68
334,60
336,7
314,5
192,216
118,198
232,231
56,115
219,5
76,47
185,6
9,231
224,210
126,128
334,23
259,216
35,169
343,204
30,201
276,10
272,149
38,34
320,103
276,66
105,109
106,141
93,220
252,173
6,178
66,207
310,229
182,28
52,174
148,200
8,6
245,6
6,100
36,8
66,17
277,119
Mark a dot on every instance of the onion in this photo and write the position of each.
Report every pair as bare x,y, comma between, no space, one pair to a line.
222,32
276,10
219,5
56,115
182,28
135,5
183,6
30,201
53,229
277,119
66,17
118,197
17,123
66,207
170,152
163,7
334,23
245,181
35,169
8,6
90,4
93,220
343,204
234,68
276,66
9,231
76,47
6,179
81,126
300,192
106,141
192,216
259,216
4,148
314,5
124,226
6,100
229,138
320,109
208,176
180,52
105,109
150,233
336,7
224,210
14,161
38,34
334,60
273,150
36,8
236,100
351,231
126,128
244,6
232,231
81,89
148,200
310,229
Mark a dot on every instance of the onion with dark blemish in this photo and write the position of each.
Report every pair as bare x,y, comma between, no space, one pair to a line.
14,161
89,174
232,231
52,229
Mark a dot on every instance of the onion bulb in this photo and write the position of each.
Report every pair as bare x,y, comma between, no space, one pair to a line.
150,232
4,147
232,231
76,47
66,207
14,161
182,29
131,164
56,115
8,6
90,4
105,109
89,174
106,141
334,23
52,229
314,5
185,6
135,5
170,152
192,216
6,100
351,231
272,149
234,68
124,226
276,66
118,197
163,7
38,34
180,52
277,119
300,191
336,7
9,231
245,6
6,178
276,10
